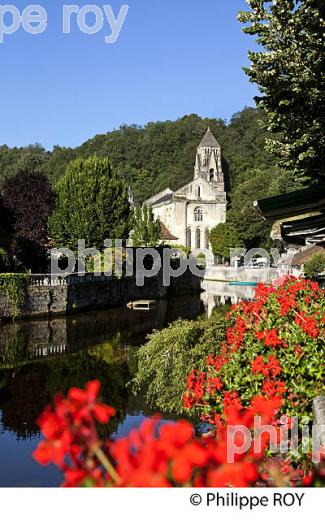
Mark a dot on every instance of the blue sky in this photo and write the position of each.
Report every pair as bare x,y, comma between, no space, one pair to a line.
171,58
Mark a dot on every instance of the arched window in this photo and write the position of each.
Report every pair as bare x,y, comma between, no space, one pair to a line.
198,239
188,237
198,215
207,243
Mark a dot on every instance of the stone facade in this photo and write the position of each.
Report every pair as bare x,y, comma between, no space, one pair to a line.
192,211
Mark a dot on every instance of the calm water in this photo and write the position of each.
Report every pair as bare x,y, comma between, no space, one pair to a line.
41,357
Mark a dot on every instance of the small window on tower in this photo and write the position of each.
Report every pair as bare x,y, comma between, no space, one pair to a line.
198,192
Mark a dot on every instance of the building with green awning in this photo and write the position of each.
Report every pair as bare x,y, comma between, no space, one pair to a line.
285,210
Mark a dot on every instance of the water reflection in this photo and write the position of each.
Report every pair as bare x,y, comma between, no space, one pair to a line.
217,294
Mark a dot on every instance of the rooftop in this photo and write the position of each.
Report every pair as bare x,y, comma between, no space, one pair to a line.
209,141
165,233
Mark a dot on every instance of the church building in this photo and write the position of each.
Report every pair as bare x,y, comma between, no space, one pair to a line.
188,214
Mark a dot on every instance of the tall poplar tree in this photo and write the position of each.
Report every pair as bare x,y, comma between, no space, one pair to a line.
146,229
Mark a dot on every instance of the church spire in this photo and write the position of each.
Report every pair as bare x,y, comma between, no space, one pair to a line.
208,164
209,141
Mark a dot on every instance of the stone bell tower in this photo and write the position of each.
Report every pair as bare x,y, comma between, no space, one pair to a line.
208,160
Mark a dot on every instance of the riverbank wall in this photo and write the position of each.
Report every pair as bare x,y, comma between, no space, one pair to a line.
43,297
267,275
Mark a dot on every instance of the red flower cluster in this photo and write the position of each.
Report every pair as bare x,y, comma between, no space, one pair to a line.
269,368
286,319
70,434
152,456
308,324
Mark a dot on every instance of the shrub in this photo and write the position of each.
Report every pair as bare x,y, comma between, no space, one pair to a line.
223,238
13,287
165,359
274,348
315,266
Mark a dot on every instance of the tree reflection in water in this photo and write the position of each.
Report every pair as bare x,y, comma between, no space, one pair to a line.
40,358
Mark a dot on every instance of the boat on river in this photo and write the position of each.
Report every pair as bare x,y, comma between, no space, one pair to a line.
243,284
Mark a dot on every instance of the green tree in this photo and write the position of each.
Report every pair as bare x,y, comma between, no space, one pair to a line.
146,230
223,238
91,204
254,184
315,266
290,76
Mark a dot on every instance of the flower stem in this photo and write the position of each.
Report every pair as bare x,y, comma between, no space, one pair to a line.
106,463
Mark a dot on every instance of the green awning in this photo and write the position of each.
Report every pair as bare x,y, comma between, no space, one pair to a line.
311,228
292,204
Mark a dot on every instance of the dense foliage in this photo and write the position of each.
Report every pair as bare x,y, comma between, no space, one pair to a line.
256,183
164,360
315,266
28,199
13,287
4,226
274,347
223,238
91,205
289,72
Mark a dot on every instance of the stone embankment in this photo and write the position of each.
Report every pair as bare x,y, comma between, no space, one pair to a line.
46,296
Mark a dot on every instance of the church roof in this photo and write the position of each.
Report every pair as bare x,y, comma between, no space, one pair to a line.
162,196
165,233
165,198
209,141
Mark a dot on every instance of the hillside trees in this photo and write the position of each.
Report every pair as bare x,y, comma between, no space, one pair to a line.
161,154
256,183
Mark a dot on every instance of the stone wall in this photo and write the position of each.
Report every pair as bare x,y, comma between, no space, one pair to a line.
243,274
91,294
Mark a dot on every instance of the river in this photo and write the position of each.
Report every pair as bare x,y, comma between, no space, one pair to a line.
39,358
